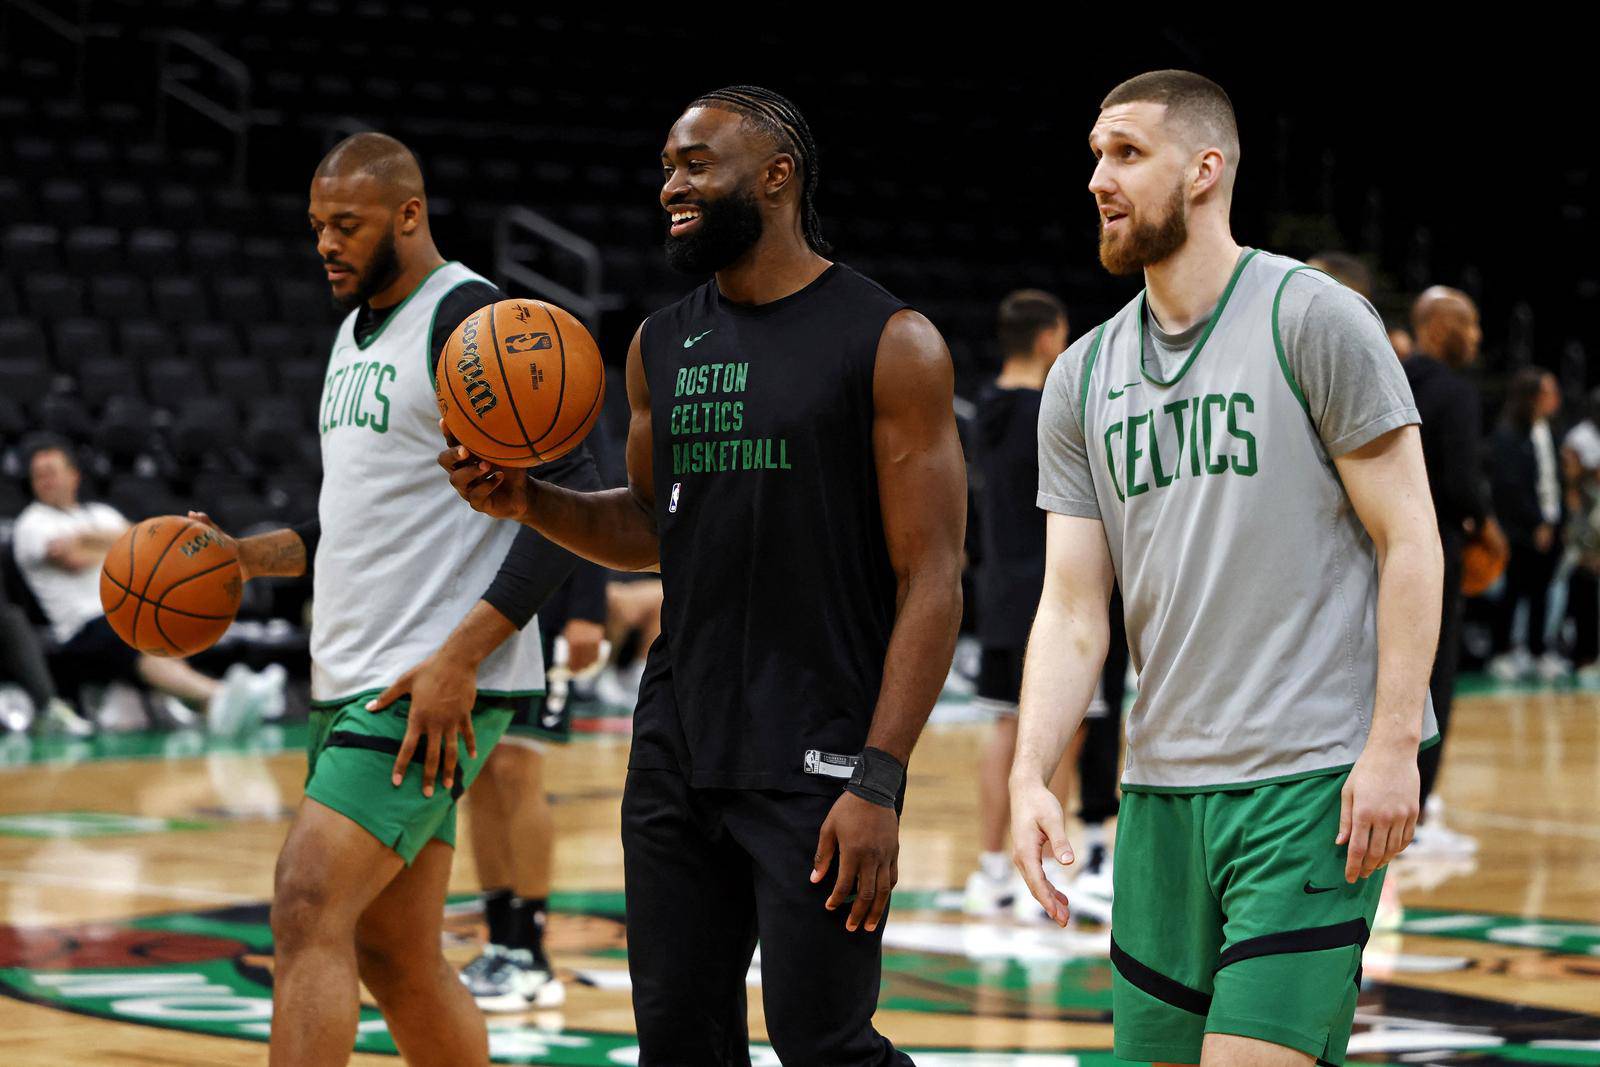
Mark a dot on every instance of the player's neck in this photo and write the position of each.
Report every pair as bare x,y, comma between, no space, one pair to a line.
424,263
770,271
1183,288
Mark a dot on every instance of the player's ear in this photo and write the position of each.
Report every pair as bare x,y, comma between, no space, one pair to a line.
1209,167
779,174
410,216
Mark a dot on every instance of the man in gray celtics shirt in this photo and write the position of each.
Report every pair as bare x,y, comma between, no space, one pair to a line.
1238,446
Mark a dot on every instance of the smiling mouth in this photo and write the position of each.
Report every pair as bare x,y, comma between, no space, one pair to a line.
683,220
1110,219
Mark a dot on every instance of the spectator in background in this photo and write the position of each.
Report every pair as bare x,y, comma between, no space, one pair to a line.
1346,269
22,661
1401,341
60,545
1526,479
1032,333
1580,458
1445,322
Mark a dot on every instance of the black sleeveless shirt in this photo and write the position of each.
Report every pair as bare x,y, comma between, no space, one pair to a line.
778,592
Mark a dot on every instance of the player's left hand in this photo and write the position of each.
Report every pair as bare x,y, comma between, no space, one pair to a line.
867,838
1378,809
443,690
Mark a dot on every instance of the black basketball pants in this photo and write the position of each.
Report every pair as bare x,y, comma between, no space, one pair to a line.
709,872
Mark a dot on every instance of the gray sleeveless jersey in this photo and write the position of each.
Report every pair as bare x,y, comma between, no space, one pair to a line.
1249,584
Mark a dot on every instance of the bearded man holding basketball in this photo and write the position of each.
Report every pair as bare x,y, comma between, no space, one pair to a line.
414,596
794,471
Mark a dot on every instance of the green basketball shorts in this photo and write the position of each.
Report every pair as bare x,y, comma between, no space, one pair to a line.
1231,915
350,758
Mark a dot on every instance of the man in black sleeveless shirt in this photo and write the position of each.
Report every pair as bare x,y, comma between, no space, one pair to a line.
795,472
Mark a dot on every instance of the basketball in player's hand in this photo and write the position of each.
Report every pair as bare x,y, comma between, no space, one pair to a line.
520,383
170,586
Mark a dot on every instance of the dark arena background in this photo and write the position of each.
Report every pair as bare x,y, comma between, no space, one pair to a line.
165,319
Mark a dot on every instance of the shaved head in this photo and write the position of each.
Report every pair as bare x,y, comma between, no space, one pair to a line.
392,166
1445,323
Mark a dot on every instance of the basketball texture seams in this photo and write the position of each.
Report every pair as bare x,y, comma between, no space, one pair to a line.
181,588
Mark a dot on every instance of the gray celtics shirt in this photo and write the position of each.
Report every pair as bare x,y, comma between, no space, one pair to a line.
1250,586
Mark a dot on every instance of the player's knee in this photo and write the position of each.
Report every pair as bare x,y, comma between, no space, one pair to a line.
303,910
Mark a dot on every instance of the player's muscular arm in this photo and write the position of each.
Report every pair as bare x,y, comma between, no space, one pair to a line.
1388,487
922,490
1066,652
615,528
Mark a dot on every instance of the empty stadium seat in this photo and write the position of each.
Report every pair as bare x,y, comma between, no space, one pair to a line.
118,296
169,381
76,340
25,378
179,299
179,206
65,415
242,380
141,497
274,343
31,247
209,342
65,202
152,251
124,204
103,377
53,296
144,341
205,430
242,300
302,380
125,430
212,251
89,249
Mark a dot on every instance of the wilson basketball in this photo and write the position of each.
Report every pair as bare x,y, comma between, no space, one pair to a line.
170,586
520,383
1481,566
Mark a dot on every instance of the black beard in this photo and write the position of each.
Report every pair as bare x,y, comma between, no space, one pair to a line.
379,275
729,227
1147,243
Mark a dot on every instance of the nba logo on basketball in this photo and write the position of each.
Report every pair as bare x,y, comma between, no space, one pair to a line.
672,504
526,342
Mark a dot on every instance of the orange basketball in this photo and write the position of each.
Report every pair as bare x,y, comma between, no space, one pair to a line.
1482,564
520,383
170,586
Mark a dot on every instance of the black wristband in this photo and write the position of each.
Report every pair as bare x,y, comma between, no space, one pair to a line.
877,778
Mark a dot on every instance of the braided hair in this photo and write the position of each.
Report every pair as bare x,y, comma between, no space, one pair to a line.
777,117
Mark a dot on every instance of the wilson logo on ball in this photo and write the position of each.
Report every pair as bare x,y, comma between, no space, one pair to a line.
195,545
526,342
470,366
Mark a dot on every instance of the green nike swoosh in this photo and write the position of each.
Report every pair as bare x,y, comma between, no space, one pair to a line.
1114,393
688,342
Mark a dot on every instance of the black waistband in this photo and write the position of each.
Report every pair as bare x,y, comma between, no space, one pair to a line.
347,739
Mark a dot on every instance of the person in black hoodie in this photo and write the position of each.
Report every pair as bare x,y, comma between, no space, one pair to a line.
1444,322
1032,333
1526,480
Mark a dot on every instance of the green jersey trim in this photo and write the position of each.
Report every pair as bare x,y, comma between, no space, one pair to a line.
1216,316
364,345
1277,340
1088,370
1130,787
430,357
484,696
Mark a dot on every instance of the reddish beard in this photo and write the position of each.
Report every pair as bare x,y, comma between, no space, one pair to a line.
1144,243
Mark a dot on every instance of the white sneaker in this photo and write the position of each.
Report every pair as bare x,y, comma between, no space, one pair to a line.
1025,908
1438,841
985,897
59,715
16,710
619,686
1588,675
1552,667
1091,892
235,704
1510,666
267,687
511,983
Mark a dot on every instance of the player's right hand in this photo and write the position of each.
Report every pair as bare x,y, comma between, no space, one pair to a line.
498,492
1038,824
245,573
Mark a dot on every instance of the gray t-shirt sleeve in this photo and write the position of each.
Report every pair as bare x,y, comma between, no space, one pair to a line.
1066,485
1340,356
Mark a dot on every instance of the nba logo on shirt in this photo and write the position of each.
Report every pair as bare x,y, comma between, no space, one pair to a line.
672,504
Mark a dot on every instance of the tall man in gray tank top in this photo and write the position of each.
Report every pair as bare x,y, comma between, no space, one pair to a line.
1239,448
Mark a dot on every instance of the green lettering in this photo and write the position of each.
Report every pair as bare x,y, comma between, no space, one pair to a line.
1194,451
1235,402
362,418
1111,459
1131,439
683,375
380,423
741,371
1176,409
737,425
1163,479
783,454
1219,465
